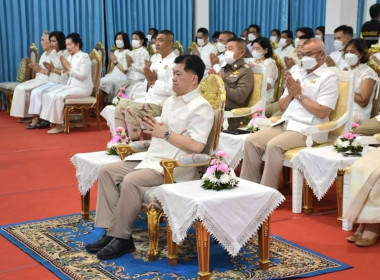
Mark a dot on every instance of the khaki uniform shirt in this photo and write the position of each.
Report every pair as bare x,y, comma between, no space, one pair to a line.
238,81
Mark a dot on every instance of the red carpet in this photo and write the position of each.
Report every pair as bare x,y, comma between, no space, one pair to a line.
37,180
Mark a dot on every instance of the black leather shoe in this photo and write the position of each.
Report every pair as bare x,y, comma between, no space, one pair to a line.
116,248
29,126
100,244
43,125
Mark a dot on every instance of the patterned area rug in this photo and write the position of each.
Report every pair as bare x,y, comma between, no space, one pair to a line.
58,244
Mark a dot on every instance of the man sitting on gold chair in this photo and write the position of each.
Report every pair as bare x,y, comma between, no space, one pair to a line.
187,119
307,100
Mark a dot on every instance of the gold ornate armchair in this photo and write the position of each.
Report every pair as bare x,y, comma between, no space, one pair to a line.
279,84
101,52
84,103
212,89
177,48
192,46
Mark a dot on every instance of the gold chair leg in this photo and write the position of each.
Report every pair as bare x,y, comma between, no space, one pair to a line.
203,249
67,119
154,216
85,201
264,244
307,195
339,195
286,177
172,246
8,98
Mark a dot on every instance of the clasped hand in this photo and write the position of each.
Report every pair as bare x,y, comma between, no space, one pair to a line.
154,128
65,63
150,76
293,86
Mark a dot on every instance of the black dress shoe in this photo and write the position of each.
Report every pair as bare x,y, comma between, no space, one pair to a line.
100,244
29,126
116,248
43,125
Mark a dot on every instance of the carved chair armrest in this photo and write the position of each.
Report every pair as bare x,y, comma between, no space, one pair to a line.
124,150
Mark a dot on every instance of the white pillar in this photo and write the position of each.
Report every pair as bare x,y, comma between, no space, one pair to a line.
201,11
339,12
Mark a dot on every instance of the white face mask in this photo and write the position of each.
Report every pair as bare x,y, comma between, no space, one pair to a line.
296,42
308,62
243,38
221,48
273,38
338,45
282,42
154,47
318,37
351,59
135,44
200,42
119,44
149,37
251,37
257,55
229,57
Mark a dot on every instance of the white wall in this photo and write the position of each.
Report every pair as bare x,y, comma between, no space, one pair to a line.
201,14
367,5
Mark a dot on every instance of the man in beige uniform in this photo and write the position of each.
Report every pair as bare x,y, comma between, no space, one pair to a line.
308,99
149,97
237,77
187,119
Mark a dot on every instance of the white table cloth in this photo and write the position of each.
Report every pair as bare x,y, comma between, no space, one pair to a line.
231,216
109,114
233,145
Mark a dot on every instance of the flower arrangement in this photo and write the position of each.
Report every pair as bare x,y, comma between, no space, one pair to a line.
119,95
218,175
252,125
119,138
347,143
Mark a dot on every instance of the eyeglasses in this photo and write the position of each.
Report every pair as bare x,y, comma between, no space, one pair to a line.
310,54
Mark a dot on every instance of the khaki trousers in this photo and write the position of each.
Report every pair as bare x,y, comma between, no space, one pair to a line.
274,142
129,114
118,207
369,128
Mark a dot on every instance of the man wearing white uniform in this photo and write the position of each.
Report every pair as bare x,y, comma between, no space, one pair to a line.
342,35
20,101
217,61
307,100
149,96
205,47
285,44
187,119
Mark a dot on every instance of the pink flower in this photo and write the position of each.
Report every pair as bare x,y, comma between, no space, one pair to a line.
122,88
223,167
255,115
211,169
120,130
119,94
214,161
349,136
354,125
221,154
115,139
259,110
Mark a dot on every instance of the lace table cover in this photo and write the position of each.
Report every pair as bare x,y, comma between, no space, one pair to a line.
233,145
109,114
231,216
320,167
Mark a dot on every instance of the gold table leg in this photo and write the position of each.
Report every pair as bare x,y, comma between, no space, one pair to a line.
264,244
85,202
154,216
172,247
339,195
307,195
203,249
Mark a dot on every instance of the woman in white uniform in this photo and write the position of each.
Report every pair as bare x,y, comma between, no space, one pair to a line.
20,101
56,78
120,69
79,84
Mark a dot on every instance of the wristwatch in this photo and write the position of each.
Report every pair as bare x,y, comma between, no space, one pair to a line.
301,97
166,135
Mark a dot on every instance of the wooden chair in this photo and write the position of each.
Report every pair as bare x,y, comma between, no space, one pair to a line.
279,84
84,103
24,73
211,88
257,97
192,46
177,48
102,53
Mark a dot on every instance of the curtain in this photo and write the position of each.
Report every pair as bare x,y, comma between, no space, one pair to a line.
360,16
238,14
23,21
310,13
133,15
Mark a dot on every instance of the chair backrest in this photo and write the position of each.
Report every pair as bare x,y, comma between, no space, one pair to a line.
23,72
150,49
212,89
101,51
344,104
279,84
258,95
177,48
96,70
34,58
192,46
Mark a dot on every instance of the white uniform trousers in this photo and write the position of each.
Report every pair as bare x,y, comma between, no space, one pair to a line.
36,97
53,102
20,101
118,207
